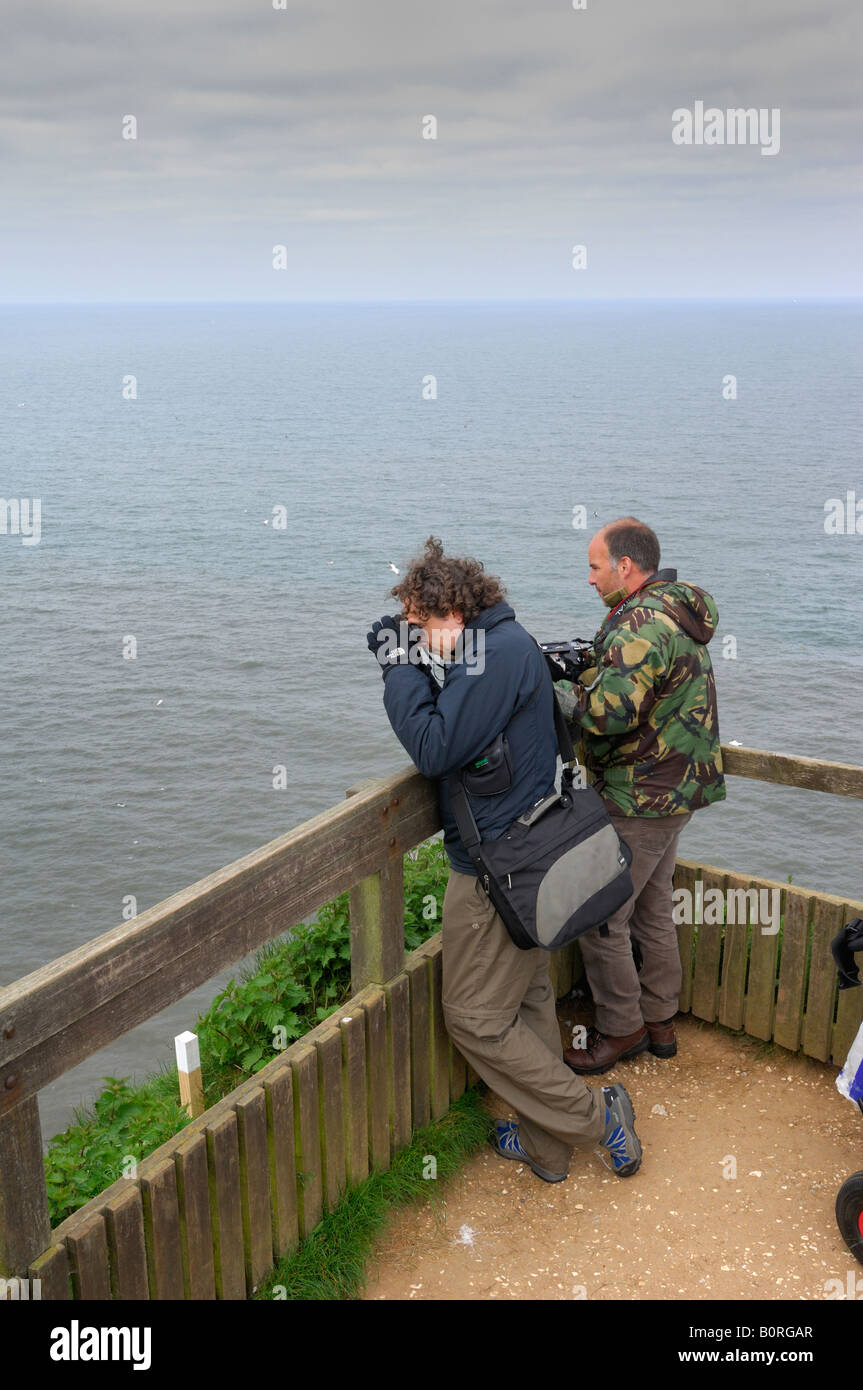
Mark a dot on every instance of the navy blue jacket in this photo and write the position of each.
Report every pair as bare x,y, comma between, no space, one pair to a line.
444,728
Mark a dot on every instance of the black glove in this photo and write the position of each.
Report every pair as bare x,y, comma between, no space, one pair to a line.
383,640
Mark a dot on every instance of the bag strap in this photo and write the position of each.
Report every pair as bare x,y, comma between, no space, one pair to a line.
460,801
464,818
564,738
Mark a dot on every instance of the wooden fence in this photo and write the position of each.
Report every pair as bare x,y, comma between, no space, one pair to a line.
209,1213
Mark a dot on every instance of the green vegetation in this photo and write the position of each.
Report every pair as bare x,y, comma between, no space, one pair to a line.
331,1262
294,982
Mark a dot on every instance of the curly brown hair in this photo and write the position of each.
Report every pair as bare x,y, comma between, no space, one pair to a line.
438,584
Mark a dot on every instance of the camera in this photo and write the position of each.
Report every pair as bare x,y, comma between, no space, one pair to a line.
567,660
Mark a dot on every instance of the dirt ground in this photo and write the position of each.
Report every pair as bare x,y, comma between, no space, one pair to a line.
745,1147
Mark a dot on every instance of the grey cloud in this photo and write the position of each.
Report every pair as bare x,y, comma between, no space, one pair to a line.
312,117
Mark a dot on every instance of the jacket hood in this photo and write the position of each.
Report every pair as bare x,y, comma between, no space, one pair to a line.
490,617
693,609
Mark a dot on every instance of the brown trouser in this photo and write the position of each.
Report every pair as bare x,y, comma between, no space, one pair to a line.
625,998
499,1011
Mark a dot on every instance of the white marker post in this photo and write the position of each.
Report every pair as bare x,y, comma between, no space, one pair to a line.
189,1070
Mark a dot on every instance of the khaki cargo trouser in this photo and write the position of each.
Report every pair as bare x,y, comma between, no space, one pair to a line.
499,1010
625,998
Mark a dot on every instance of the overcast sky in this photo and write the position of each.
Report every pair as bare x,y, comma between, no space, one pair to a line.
302,127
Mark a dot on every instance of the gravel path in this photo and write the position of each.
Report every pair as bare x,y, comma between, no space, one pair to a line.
745,1148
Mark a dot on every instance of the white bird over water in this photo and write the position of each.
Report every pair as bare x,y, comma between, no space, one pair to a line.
158,702
393,568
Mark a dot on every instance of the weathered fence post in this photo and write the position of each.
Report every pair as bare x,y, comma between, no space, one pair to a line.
25,1225
377,909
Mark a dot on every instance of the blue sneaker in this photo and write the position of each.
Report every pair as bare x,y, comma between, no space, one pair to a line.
620,1141
507,1145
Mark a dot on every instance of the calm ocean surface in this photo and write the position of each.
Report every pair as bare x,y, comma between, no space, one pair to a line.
253,639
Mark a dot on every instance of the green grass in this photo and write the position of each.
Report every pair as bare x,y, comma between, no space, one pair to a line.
331,1263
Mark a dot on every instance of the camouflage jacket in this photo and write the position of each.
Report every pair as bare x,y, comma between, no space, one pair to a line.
646,712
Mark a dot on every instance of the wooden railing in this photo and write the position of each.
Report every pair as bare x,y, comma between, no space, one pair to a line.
63,1012
209,1212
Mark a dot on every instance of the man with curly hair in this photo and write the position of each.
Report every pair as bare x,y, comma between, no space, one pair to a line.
498,1000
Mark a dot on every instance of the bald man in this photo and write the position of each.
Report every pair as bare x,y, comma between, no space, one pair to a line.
647,715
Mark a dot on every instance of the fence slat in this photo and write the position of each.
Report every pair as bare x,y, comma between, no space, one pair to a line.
279,1090
196,1230
374,1007
560,971
353,1030
684,880
88,1259
51,1268
223,1158
572,967
457,1072
416,969
735,958
708,943
331,1101
788,1023
310,1187
439,1042
255,1187
127,1249
162,1229
398,995
761,984
823,981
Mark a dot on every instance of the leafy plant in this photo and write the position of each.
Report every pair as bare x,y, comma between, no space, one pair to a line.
125,1122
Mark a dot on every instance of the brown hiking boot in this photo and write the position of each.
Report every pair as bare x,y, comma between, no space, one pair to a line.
663,1039
603,1051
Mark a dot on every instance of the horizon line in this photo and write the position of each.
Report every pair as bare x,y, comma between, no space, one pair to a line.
487,299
